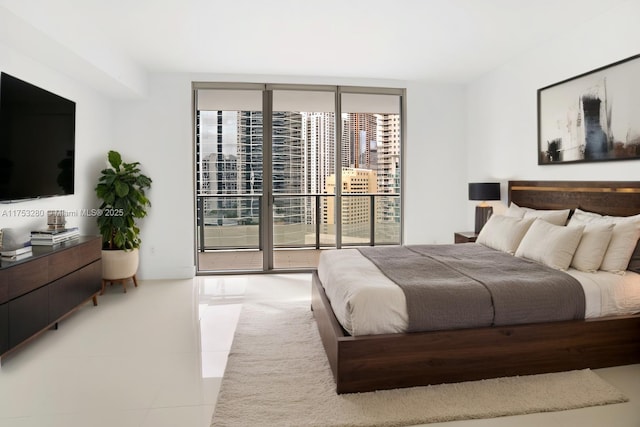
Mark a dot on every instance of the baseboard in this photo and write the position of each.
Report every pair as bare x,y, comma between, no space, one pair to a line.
170,272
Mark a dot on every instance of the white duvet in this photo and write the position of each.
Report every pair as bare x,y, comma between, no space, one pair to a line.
366,302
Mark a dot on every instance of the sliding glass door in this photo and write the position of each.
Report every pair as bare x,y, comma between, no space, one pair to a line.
371,173
302,157
285,171
229,179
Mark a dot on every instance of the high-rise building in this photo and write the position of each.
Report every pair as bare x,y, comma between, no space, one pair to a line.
288,166
388,162
356,212
249,151
348,153
361,131
320,156
320,140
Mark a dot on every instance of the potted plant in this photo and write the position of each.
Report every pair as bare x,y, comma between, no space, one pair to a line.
121,188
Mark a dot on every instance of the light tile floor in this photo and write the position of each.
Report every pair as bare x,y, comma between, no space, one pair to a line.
155,357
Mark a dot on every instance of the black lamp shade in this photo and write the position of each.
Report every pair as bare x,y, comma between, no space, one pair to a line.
484,191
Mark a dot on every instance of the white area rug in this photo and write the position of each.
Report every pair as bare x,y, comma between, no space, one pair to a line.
278,375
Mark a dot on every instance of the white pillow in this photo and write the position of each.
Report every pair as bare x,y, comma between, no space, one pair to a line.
583,217
549,244
504,233
515,211
554,216
592,247
626,232
623,242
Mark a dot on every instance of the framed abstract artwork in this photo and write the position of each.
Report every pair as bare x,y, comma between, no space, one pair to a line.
591,117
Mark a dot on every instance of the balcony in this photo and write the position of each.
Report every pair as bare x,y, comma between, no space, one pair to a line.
229,228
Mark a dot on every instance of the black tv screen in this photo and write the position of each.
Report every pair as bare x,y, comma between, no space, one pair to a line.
37,141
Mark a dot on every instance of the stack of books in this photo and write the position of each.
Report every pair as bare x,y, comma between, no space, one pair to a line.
53,237
16,254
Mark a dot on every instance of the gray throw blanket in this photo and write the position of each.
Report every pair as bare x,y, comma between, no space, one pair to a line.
470,285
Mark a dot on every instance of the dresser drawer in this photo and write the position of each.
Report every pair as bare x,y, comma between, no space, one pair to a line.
74,258
24,278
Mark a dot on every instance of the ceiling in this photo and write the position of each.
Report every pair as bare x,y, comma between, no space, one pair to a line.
114,44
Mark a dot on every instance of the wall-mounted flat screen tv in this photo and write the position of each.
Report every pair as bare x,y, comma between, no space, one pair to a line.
37,141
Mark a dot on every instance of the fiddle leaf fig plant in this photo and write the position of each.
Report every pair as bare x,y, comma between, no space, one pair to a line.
121,188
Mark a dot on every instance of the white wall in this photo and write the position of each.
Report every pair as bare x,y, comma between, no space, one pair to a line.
93,134
502,122
435,191
156,131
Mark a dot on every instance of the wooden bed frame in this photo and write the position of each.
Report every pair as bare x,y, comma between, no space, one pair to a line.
375,362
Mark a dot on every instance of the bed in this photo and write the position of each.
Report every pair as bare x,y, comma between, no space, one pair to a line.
404,359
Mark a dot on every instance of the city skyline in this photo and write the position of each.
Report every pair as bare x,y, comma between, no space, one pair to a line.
303,160
364,136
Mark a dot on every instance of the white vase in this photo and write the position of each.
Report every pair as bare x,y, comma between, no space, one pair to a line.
119,264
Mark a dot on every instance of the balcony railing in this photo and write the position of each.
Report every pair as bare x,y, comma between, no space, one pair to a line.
299,221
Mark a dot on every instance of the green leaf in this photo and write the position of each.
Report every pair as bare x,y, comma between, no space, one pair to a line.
109,198
122,188
101,190
114,159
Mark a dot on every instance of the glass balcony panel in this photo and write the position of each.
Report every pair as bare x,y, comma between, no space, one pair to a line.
356,220
296,222
387,220
230,222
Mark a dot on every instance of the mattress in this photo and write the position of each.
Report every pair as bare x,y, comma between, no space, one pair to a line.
366,302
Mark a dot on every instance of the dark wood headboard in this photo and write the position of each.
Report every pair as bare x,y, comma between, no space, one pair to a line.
619,198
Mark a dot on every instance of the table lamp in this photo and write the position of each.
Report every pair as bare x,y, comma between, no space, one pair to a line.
483,191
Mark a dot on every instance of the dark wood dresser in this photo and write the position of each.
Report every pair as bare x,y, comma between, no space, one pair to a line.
38,291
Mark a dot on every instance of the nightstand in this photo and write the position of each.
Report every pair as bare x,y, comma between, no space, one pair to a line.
465,237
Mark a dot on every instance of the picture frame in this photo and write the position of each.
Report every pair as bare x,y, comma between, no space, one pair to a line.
591,117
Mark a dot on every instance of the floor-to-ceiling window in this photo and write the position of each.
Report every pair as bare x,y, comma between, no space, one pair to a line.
303,155
371,172
285,171
229,181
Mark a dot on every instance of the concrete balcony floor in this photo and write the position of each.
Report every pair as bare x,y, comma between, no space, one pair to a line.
251,260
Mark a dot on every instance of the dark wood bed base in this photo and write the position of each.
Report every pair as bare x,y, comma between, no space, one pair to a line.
377,362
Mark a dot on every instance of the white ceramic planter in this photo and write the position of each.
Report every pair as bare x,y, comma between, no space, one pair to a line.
119,264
